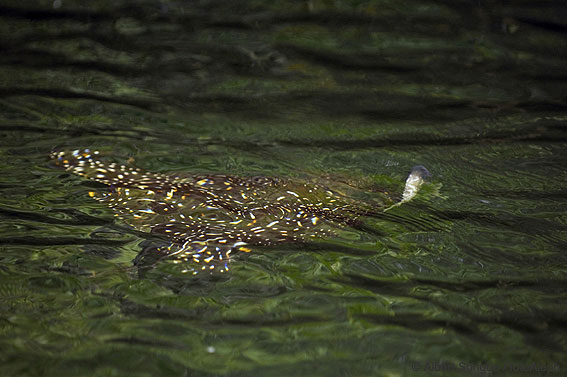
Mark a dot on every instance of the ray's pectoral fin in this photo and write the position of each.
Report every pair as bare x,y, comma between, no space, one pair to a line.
192,257
86,163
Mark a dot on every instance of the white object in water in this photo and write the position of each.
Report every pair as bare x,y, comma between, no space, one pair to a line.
413,183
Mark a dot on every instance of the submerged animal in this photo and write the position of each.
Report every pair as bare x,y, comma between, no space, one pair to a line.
207,217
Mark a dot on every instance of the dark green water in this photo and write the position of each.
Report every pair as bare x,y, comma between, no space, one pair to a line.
470,274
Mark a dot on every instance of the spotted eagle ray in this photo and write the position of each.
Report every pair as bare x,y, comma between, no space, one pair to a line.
207,217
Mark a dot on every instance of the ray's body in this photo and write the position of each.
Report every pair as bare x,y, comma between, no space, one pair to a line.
207,217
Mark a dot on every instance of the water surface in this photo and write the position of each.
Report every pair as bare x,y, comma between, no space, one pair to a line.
470,273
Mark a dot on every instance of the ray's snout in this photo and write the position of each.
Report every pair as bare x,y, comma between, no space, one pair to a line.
420,171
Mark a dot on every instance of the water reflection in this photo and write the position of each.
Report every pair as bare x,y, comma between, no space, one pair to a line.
472,270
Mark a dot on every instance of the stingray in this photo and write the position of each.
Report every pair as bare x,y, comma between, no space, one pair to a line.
205,218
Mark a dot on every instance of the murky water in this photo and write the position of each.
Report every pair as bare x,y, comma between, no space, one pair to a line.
469,275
